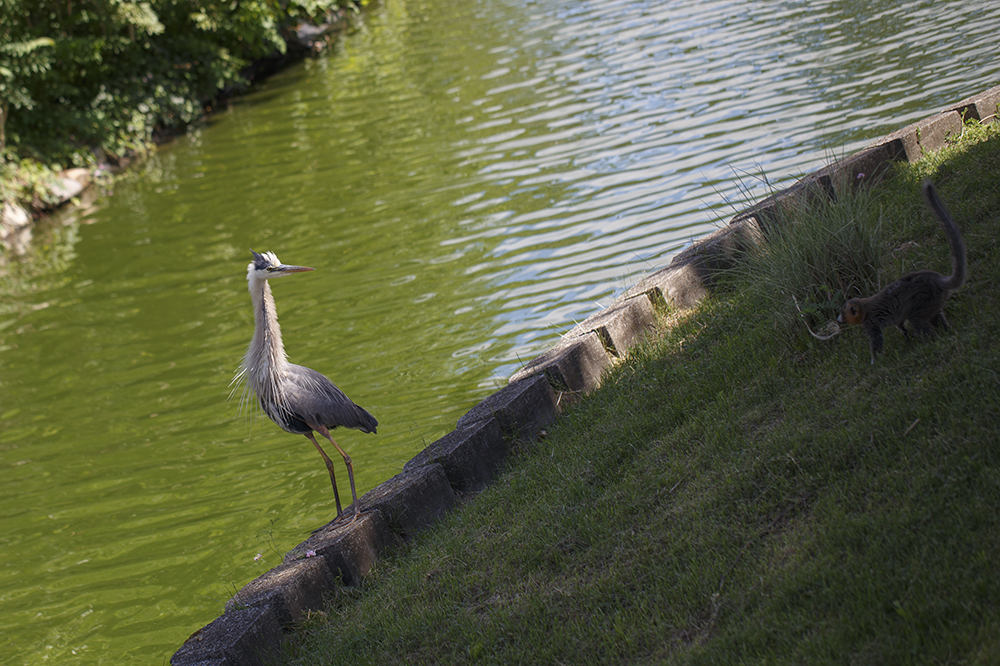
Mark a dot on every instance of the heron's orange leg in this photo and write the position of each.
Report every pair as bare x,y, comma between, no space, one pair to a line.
329,468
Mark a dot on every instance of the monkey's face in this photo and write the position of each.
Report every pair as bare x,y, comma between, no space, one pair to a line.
852,314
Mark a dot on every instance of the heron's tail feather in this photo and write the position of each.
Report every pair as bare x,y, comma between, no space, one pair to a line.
366,422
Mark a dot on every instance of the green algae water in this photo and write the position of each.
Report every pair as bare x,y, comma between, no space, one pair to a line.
468,179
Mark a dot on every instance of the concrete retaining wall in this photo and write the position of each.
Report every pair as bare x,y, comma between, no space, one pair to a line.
469,458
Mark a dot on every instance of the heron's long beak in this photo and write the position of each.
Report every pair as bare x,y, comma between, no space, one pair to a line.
284,268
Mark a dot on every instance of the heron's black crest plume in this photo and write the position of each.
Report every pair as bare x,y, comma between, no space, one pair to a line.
262,261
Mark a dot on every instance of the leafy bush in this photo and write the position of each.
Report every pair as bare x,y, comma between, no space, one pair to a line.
27,181
107,73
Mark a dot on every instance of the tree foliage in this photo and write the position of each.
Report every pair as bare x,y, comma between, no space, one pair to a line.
82,74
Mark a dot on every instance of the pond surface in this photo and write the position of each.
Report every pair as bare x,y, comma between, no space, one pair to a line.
469,179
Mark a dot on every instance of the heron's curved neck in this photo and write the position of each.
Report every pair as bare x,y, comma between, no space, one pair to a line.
265,357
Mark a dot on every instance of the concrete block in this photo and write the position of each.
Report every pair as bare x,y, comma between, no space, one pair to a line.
982,107
412,500
470,457
926,135
521,409
866,166
348,550
575,364
934,132
619,326
679,284
693,272
246,637
748,227
910,139
721,249
684,285
290,590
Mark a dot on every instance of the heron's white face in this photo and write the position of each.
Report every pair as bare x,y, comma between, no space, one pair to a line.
267,265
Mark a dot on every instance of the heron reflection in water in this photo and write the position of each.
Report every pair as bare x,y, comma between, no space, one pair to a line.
299,399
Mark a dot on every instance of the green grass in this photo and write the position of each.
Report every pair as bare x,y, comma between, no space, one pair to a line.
738,492
814,256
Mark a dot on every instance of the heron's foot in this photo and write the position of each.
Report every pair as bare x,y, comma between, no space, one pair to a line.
348,517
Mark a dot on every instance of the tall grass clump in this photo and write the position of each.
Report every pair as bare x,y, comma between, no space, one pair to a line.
815,255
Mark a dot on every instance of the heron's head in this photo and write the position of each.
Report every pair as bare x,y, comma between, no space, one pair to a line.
267,265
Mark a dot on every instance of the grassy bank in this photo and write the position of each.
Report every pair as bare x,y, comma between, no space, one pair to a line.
738,492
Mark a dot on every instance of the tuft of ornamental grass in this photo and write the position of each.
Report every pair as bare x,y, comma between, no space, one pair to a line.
732,495
816,256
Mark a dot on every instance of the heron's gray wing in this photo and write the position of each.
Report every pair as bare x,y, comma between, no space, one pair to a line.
314,398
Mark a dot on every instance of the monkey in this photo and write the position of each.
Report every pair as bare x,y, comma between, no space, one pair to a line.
917,297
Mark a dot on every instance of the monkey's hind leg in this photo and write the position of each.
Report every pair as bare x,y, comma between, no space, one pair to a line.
922,326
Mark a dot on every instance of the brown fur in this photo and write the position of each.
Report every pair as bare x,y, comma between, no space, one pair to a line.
917,297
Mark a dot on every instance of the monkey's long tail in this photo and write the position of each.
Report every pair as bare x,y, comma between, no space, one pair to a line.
957,277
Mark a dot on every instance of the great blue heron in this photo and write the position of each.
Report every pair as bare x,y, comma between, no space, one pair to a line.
300,400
